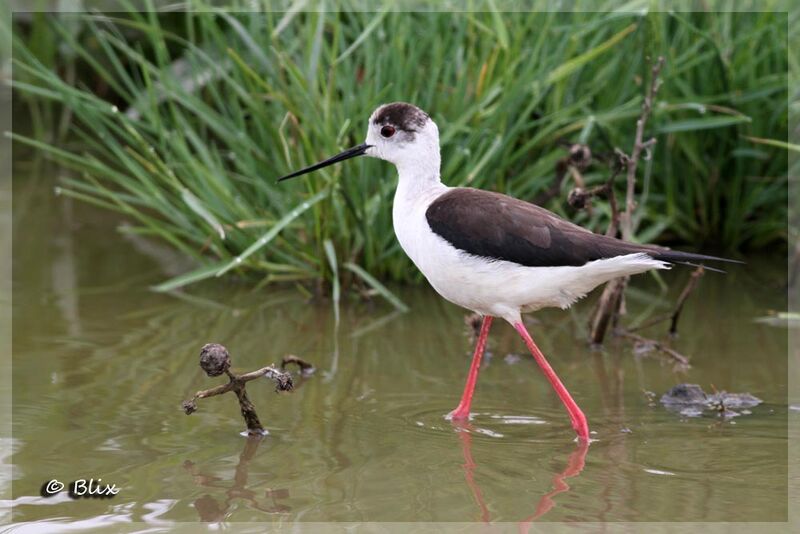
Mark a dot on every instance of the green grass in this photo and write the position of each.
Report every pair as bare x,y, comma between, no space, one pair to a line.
225,103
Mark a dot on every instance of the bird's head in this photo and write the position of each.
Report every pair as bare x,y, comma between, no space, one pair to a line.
399,133
402,134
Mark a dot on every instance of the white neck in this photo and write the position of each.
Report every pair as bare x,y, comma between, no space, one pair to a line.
417,187
416,179
423,169
419,167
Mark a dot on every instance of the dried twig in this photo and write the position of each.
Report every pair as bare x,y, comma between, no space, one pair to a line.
691,284
215,361
306,368
621,163
669,351
638,146
580,198
611,303
604,310
578,159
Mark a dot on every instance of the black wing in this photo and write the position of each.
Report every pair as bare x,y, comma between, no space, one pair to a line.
500,227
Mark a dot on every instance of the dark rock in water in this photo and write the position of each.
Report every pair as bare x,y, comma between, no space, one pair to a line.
734,400
684,394
690,400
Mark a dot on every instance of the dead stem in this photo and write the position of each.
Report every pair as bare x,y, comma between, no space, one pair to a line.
215,361
612,300
679,358
691,284
638,145
581,198
579,158
305,367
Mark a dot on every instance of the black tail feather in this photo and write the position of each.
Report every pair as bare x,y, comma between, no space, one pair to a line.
691,259
704,266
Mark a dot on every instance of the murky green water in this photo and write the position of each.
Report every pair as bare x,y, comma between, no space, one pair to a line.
101,366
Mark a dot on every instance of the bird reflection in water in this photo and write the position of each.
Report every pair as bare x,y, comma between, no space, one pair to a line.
212,510
469,470
575,465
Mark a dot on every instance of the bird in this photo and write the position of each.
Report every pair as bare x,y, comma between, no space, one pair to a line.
491,253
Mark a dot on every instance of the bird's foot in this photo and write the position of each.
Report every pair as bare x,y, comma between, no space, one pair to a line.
581,427
458,415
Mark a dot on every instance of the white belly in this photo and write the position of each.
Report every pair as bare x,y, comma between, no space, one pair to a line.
498,288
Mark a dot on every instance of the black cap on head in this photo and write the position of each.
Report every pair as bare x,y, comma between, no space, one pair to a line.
402,115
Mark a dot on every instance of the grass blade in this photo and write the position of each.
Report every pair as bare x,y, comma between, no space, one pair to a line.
377,286
362,37
702,124
274,231
196,206
330,252
565,69
201,273
773,142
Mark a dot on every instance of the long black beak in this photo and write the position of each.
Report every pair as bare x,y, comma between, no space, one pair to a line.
359,150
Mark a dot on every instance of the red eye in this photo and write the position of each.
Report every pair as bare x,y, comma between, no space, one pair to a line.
387,131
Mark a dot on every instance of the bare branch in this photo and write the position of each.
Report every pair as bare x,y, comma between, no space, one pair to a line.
578,159
672,353
609,301
691,284
215,361
638,146
613,297
305,367
283,381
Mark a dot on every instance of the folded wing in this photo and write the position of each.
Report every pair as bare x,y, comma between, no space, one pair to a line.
496,226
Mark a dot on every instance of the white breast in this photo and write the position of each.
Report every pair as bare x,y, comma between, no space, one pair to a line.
408,217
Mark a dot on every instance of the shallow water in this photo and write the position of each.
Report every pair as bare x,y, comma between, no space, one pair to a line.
101,365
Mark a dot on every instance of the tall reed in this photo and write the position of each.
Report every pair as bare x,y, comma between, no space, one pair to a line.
183,121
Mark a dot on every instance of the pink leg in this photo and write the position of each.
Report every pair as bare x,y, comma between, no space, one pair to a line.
462,410
575,414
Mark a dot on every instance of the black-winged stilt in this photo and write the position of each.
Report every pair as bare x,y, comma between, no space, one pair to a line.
491,253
